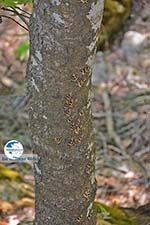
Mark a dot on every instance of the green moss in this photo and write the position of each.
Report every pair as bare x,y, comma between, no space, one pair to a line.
107,215
7,173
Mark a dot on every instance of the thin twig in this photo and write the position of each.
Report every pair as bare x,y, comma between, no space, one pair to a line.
20,16
108,110
23,11
12,10
20,102
115,137
8,17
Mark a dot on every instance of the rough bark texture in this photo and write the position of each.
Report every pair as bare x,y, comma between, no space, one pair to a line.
63,36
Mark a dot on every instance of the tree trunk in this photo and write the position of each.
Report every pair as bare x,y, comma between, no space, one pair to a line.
62,38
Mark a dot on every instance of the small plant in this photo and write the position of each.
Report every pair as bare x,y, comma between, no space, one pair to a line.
13,3
14,7
22,51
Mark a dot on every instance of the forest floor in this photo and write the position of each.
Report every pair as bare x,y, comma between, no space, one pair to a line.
121,115
121,118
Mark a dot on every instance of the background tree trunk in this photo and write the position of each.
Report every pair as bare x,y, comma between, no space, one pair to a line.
63,37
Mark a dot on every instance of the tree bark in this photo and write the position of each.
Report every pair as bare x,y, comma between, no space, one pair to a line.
62,43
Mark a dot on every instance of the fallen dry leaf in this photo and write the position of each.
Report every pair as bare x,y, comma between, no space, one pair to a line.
5,206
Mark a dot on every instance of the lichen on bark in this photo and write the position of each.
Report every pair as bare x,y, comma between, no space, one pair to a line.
60,112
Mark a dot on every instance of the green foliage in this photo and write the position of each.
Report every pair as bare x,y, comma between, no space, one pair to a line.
6,173
26,223
22,51
13,3
112,215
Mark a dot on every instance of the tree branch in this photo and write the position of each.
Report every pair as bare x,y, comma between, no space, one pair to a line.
8,17
23,11
12,10
20,16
